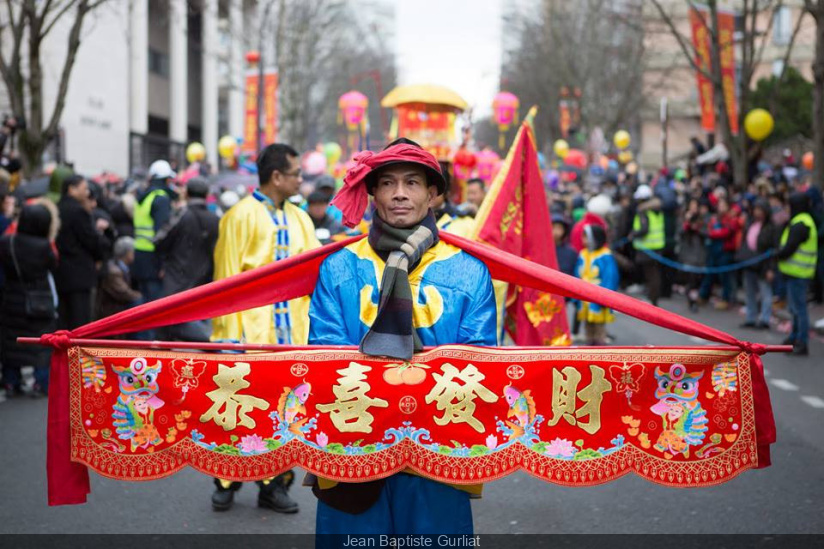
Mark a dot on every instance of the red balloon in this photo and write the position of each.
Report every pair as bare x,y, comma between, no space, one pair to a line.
576,158
808,160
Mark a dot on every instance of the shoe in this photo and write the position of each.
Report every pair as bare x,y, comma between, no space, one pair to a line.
694,307
223,498
788,341
38,392
800,349
762,326
722,306
749,324
275,494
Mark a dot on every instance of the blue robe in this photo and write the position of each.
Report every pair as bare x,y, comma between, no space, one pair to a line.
597,267
454,303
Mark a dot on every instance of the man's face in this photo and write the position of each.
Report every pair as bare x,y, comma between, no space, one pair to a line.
316,210
402,195
80,192
475,194
288,182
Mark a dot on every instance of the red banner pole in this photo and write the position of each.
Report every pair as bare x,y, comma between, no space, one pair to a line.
129,344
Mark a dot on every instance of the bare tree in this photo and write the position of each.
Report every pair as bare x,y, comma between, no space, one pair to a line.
752,42
24,27
816,9
319,48
596,46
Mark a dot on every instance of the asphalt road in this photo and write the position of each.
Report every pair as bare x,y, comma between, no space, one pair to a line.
785,498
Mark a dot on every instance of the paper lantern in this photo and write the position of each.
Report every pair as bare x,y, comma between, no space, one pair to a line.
226,147
464,162
332,152
576,159
353,106
632,168
252,57
622,139
758,124
505,110
808,160
487,159
195,152
505,113
314,163
561,148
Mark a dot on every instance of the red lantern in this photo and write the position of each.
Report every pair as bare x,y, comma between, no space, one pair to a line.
252,57
464,162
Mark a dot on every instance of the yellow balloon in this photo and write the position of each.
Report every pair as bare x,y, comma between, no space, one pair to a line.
226,147
561,148
624,157
758,124
622,139
195,152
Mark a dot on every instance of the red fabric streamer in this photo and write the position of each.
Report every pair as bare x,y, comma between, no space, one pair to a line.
295,277
353,198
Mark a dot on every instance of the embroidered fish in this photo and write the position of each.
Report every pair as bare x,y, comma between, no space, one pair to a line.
521,407
291,403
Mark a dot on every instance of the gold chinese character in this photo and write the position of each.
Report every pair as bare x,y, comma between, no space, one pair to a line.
349,411
457,401
565,395
236,407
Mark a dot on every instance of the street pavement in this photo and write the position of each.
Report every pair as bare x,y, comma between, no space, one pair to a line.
782,499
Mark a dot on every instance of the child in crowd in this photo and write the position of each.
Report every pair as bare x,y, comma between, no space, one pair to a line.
597,266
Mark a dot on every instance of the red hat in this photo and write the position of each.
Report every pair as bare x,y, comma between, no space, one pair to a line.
359,181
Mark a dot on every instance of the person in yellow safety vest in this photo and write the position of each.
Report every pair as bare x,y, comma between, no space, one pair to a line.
797,257
262,228
152,211
648,234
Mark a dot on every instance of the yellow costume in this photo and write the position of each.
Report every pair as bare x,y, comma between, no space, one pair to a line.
248,239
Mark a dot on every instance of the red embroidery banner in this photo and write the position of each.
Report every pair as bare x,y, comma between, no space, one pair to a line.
458,414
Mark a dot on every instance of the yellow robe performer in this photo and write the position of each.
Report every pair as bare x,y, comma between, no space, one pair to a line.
248,239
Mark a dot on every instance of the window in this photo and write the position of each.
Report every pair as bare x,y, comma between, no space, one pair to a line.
782,26
158,63
777,67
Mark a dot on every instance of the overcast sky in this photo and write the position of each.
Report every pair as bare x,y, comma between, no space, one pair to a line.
453,43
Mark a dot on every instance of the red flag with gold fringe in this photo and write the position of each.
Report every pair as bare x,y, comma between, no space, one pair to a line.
514,217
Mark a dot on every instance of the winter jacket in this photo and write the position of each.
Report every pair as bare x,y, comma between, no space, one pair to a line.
79,246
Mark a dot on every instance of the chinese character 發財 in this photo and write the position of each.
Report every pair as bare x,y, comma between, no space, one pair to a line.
565,395
349,411
456,400
236,407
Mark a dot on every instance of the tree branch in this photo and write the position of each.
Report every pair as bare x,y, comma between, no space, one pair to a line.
48,27
71,55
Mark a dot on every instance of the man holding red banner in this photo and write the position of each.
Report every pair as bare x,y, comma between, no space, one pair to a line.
409,289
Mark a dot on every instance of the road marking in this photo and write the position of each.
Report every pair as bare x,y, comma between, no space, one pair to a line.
813,401
784,385
699,340
766,372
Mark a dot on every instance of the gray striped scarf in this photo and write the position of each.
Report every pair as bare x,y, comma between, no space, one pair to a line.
392,334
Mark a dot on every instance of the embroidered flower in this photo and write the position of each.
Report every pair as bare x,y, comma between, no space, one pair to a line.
560,448
252,444
322,439
491,442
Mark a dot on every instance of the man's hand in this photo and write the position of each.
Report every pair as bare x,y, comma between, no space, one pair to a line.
101,225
